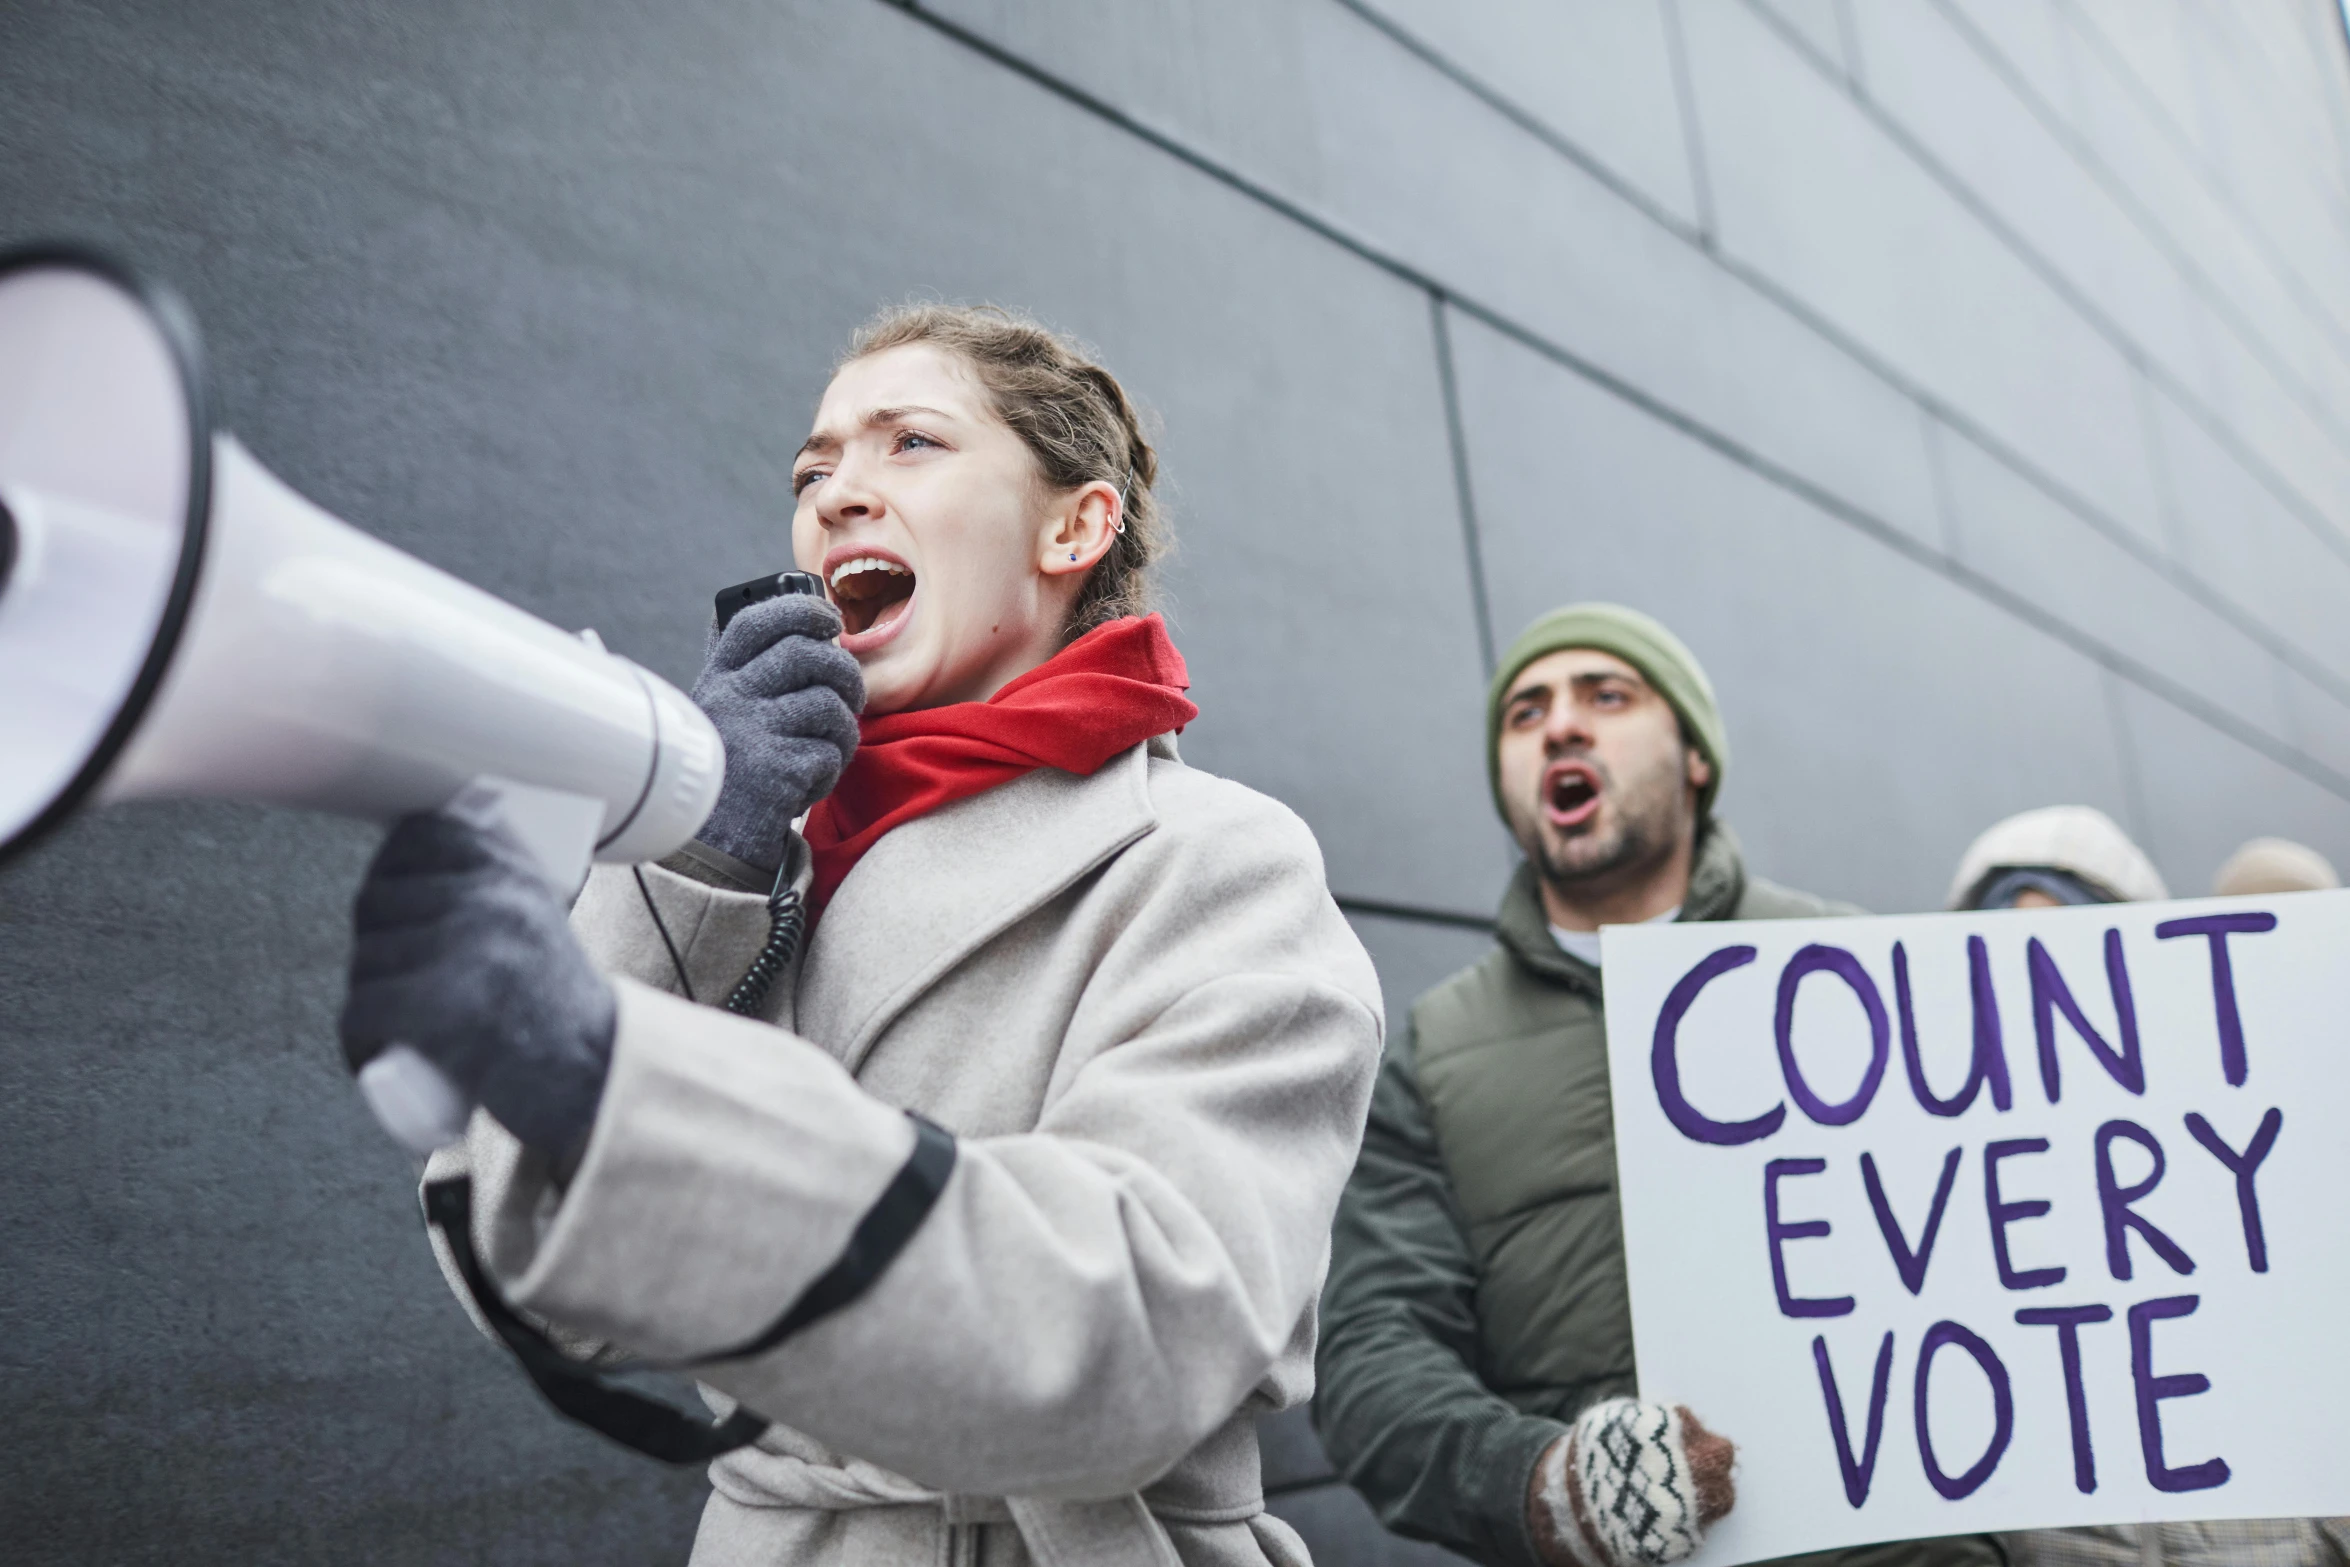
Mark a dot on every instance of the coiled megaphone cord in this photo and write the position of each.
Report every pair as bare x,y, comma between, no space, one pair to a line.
787,918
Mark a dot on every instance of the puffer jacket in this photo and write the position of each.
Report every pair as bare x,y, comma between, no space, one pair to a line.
1477,1299
2235,1542
1133,1003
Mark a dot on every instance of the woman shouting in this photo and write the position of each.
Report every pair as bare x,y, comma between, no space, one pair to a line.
1006,1205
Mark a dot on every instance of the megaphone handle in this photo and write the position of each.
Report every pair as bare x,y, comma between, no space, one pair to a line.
413,1099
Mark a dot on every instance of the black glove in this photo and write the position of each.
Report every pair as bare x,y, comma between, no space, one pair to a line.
785,699
463,952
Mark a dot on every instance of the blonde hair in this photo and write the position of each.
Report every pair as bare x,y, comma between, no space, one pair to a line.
1072,415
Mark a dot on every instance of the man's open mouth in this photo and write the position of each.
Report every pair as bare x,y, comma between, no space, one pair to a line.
1570,794
871,592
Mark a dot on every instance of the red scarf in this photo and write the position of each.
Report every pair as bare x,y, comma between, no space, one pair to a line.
1103,694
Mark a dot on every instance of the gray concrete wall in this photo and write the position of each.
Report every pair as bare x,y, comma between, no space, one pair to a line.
1968,382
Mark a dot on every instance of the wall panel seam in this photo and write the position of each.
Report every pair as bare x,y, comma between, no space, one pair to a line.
1464,489
2304,511
2086,308
2086,155
1509,109
1874,527
2180,138
1957,572
1848,37
2242,618
2206,287
2125,748
2266,63
1701,185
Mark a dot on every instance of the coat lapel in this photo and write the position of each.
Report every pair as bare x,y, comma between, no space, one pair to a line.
938,888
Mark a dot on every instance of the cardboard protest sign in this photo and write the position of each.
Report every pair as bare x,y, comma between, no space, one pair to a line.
1967,1222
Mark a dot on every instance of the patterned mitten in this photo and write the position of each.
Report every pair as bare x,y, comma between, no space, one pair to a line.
1635,1484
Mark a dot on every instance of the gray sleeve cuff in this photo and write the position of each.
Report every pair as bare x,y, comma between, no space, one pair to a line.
697,861
1521,1448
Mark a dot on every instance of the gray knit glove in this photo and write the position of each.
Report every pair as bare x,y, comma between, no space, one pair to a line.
785,699
1633,1485
461,951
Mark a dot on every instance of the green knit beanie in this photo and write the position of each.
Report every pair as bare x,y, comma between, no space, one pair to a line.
1639,641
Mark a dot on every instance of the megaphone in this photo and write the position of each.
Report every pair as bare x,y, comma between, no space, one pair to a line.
177,622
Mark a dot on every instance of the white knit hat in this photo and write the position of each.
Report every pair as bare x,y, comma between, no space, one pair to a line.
2267,865
2078,839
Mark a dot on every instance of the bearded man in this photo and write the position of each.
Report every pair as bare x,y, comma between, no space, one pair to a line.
1476,1368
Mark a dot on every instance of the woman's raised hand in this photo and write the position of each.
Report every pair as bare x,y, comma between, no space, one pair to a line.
785,699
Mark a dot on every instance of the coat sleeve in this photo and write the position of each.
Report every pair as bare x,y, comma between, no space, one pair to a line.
664,927
1087,1301
1401,1408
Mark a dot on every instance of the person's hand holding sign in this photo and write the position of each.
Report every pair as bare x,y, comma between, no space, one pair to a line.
1632,1484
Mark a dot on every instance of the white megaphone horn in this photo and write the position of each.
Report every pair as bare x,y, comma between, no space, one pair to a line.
176,622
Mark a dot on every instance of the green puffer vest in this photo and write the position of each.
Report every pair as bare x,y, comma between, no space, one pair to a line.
1512,1065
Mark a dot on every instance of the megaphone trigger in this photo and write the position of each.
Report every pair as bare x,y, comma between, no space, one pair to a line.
414,1100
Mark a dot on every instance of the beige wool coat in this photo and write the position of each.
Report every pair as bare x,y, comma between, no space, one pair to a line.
1132,1000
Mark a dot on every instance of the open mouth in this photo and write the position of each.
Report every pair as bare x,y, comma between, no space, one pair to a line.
1570,794
872,593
